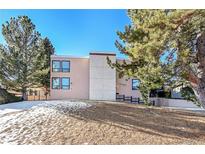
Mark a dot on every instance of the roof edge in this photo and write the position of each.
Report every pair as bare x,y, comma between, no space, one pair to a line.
102,54
67,56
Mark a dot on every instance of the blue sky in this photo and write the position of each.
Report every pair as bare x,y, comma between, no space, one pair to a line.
75,32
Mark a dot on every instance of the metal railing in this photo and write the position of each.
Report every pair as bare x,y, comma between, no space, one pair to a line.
130,99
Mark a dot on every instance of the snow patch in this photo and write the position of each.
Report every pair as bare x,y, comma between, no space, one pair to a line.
19,106
25,126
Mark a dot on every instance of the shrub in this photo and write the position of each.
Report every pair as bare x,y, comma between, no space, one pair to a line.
6,97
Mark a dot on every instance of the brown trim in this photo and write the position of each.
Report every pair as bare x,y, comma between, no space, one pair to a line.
103,54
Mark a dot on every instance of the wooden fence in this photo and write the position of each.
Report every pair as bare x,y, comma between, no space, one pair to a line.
33,95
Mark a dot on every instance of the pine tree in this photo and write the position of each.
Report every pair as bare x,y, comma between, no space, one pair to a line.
47,50
20,60
165,48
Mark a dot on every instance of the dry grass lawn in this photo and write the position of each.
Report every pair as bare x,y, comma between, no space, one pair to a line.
107,123
134,124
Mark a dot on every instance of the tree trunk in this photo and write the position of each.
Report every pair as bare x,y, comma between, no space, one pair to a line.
199,86
24,95
46,92
200,94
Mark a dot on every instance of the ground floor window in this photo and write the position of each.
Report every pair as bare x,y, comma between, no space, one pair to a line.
55,83
135,84
60,83
65,83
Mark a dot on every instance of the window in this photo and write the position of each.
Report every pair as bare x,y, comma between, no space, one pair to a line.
60,66
56,66
65,83
56,83
135,84
65,66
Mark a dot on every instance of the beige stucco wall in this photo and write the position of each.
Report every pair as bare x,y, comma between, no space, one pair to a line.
102,78
79,79
124,87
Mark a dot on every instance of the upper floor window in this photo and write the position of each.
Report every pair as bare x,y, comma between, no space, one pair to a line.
56,83
135,84
60,66
65,83
56,66
65,66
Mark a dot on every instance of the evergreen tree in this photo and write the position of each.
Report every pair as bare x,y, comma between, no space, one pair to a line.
165,48
20,58
43,76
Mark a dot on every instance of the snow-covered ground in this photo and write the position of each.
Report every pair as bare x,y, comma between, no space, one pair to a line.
19,106
21,122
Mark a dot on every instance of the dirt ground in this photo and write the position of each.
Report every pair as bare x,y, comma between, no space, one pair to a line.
107,123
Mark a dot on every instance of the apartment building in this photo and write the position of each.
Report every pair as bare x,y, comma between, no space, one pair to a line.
88,78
